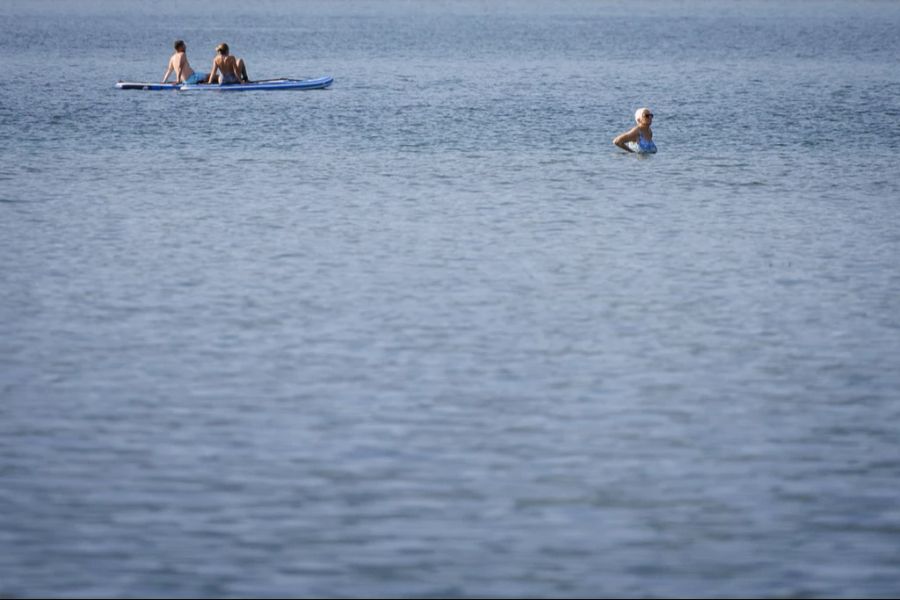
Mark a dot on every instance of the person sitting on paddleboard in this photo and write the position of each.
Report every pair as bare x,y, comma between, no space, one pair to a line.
230,69
638,139
182,68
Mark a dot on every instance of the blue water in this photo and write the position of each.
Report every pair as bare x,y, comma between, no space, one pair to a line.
428,333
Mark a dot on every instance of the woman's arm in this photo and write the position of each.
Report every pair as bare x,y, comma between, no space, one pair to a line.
213,69
629,136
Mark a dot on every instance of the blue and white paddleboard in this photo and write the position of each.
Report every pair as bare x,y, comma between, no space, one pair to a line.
319,83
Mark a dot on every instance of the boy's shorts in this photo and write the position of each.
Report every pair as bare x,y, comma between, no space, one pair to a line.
197,78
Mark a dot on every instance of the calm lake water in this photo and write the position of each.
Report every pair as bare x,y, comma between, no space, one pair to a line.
428,333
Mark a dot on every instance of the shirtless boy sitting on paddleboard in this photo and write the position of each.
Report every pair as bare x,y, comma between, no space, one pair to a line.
182,68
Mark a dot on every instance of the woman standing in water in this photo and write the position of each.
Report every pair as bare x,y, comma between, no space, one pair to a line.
640,138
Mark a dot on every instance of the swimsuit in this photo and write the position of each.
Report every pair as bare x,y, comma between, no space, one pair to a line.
228,79
196,78
645,146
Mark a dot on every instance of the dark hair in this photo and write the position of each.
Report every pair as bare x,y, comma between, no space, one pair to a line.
179,44
222,48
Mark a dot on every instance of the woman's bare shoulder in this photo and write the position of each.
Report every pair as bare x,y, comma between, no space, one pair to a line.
628,135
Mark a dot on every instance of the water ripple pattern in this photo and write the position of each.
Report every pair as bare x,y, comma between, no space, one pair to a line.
428,333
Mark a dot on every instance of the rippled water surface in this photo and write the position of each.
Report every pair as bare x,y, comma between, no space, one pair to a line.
428,333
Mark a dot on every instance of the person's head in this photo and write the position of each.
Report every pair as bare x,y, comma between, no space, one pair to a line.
643,116
179,45
222,49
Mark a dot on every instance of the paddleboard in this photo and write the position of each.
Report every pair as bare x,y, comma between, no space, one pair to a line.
319,83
